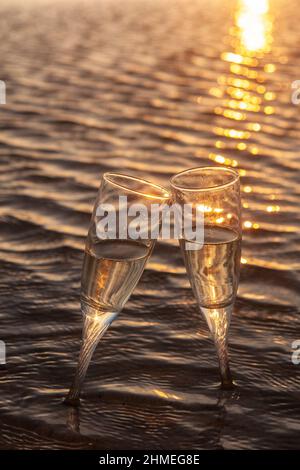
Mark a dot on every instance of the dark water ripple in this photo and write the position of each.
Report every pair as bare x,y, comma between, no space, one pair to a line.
131,86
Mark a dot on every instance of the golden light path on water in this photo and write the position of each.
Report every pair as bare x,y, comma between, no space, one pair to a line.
244,93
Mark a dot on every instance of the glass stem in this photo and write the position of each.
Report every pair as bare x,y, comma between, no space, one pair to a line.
222,352
218,320
95,323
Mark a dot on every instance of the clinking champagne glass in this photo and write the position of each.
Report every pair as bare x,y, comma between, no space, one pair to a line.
213,269
119,242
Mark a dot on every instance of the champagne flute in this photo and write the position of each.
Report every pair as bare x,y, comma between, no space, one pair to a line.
213,268
118,246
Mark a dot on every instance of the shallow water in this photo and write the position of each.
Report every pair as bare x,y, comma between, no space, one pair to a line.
148,88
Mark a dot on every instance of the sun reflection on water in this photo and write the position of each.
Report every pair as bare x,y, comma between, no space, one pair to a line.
243,92
255,25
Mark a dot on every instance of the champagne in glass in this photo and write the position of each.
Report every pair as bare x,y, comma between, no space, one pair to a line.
111,270
213,268
112,266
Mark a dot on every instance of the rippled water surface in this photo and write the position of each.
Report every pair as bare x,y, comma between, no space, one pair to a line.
148,88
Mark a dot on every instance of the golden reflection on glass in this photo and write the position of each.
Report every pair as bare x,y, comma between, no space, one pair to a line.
243,93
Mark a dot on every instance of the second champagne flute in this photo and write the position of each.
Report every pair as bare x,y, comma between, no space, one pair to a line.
213,268
114,264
